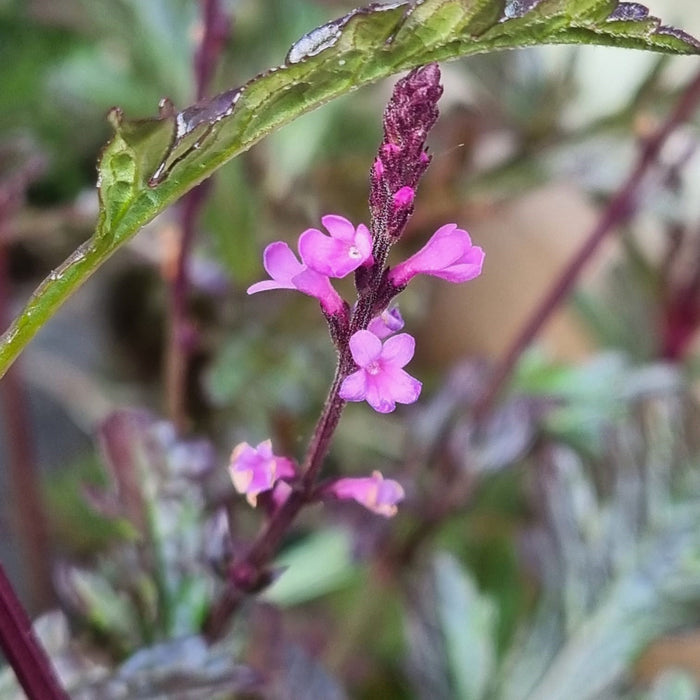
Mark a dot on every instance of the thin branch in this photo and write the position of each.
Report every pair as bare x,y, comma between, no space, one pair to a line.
620,209
22,649
25,494
216,28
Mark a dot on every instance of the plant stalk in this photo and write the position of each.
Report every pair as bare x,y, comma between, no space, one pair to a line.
23,650
620,209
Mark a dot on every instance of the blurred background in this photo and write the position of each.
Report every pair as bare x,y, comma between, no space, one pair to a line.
572,548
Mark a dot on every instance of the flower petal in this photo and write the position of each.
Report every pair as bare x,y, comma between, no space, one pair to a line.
380,394
280,262
322,253
266,285
339,227
319,286
363,242
354,387
466,268
365,348
398,350
404,387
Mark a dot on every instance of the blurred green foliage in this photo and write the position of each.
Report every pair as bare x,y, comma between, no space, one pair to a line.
574,545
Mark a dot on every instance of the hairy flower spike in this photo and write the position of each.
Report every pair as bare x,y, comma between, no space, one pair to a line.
255,470
380,379
401,159
374,492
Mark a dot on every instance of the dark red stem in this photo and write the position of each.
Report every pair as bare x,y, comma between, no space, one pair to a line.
216,28
411,112
22,649
619,210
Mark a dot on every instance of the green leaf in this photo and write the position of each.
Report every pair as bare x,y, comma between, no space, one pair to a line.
149,164
468,623
302,580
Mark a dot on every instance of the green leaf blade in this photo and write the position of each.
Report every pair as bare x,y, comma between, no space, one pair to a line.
176,151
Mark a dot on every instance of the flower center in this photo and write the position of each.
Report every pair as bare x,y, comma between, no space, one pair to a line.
354,253
373,368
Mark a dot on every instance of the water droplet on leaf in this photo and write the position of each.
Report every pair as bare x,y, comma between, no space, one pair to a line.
205,114
317,40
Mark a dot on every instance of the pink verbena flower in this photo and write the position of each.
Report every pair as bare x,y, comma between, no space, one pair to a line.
374,492
380,379
387,323
288,273
340,253
255,469
449,254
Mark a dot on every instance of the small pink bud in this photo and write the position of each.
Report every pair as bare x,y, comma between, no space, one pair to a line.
387,323
390,149
378,169
404,197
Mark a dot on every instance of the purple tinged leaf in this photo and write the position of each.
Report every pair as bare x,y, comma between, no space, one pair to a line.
515,9
325,37
206,114
122,436
678,34
629,11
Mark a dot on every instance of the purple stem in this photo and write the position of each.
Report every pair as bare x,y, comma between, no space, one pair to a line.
410,114
216,31
250,573
619,210
24,489
22,649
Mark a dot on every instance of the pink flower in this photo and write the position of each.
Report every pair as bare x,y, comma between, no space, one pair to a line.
340,253
255,469
380,379
374,492
288,273
386,324
449,254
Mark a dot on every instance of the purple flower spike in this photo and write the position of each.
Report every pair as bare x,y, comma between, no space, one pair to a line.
449,254
255,469
380,379
288,273
387,323
401,159
344,251
374,492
